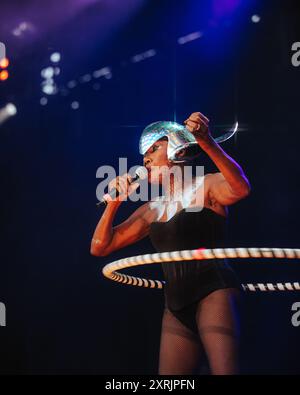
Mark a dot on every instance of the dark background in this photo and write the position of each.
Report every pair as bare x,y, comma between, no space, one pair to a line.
63,316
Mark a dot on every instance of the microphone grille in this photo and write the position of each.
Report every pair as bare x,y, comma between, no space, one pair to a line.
141,172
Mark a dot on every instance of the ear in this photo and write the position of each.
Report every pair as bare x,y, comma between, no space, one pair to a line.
181,153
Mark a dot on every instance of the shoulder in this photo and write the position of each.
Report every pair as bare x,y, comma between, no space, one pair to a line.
212,178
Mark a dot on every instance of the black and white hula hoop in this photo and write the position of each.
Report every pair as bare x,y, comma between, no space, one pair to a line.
110,270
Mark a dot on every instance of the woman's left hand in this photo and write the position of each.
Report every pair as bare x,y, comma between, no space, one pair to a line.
197,124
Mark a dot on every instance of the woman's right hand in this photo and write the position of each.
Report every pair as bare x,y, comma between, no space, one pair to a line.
123,186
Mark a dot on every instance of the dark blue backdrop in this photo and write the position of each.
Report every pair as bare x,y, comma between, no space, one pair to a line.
62,315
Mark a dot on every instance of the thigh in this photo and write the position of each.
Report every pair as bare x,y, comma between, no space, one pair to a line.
218,325
180,348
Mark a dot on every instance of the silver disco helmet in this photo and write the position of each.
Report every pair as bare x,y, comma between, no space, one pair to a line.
179,138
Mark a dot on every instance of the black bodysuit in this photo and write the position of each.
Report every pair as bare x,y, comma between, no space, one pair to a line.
190,281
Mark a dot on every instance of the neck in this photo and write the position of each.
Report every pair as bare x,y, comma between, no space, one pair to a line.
176,187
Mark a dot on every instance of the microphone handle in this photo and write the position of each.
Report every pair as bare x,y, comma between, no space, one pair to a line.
113,194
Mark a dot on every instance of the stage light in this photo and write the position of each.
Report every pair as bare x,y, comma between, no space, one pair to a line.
4,63
255,18
71,84
49,89
2,51
137,58
16,32
190,37
43,101
48,81
55,57
22,28
7,111
104,72
11,109
142,56
75,105
86,78
4,75
48,72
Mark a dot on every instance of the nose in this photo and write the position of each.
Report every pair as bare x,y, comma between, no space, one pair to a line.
147,161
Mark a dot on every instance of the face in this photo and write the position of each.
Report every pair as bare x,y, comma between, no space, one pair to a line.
155,158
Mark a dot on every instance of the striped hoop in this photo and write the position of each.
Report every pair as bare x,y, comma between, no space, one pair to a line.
110,270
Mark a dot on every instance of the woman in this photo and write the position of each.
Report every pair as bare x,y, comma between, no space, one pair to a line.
200,316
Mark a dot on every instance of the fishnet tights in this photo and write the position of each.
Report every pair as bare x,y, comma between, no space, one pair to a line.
182,350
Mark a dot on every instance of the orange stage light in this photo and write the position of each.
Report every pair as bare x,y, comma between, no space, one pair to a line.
4,63
4,75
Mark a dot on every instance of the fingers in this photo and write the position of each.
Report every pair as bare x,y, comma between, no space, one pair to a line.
194,126
197,117
122,185
191,126
133,187
197,123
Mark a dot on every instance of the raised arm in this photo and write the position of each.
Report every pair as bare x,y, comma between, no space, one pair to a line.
230,184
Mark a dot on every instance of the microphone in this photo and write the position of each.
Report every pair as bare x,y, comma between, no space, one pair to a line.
140,174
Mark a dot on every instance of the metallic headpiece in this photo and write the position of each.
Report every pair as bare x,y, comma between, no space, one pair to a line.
179,138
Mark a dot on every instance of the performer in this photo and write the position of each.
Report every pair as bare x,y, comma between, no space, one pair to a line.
201,297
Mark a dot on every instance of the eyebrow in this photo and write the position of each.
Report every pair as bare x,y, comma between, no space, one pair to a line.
159,142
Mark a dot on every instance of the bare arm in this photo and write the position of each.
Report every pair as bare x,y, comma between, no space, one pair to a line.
230,184
107,238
